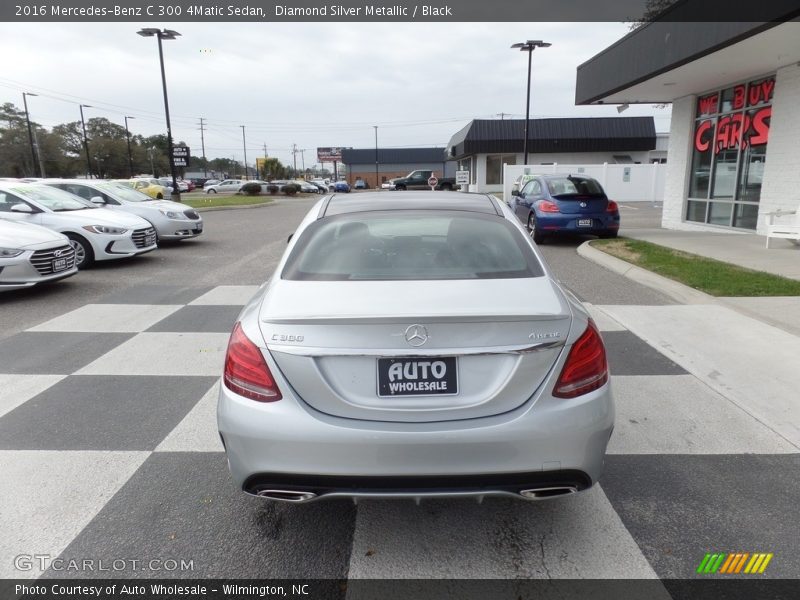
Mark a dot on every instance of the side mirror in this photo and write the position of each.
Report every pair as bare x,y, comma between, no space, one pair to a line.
21,208
515,192
98,200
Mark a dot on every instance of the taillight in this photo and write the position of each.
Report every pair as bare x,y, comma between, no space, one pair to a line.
586,368
612,207
246,372
549,207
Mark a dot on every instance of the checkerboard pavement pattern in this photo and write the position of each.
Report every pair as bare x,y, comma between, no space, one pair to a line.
109,449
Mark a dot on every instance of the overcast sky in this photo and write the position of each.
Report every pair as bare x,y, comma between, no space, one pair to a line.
309,84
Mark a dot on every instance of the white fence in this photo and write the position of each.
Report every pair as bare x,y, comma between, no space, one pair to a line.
627,183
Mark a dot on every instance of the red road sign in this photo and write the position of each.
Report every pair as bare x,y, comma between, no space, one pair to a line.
432,181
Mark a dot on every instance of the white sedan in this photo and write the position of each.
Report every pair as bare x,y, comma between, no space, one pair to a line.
30,254
94,233
172,220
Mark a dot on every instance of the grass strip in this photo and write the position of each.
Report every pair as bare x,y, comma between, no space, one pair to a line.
711,276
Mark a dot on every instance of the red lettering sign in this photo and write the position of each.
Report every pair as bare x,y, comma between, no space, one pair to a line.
760,93
708,104
738,96
760,126
702,137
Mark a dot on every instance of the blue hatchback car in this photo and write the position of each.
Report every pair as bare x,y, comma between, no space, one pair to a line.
555,204
341,186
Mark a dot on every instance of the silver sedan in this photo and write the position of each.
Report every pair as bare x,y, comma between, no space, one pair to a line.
30,255
414,347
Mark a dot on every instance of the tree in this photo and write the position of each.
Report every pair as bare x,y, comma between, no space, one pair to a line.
652,9
15,146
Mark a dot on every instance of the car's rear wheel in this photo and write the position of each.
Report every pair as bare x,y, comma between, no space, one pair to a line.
84,255
212,191
609,235
536,234
159,196
400,187
446,187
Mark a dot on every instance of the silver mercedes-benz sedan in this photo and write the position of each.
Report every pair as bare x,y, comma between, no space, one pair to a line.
414,346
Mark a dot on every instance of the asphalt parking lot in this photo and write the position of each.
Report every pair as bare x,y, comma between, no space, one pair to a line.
108,446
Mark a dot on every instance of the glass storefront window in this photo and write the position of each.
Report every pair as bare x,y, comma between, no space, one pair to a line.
730,140
494,167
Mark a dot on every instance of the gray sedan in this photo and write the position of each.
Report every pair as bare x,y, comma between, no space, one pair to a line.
414,347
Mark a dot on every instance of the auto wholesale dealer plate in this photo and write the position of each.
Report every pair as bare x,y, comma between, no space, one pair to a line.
59,264
584,222
419,376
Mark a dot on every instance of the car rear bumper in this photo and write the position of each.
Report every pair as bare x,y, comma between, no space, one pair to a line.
287,445
600,223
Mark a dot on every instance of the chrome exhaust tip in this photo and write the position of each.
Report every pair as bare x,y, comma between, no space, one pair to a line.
548,492
286,495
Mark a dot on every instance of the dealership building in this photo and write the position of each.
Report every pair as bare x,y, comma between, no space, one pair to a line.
389,163
735,95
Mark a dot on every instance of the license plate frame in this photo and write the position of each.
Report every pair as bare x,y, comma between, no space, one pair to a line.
420,373
149,240
59,264
585,222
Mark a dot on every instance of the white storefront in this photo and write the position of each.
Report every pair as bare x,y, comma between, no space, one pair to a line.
733,143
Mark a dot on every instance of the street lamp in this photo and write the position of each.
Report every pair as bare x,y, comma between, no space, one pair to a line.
377,183
30,132
86,140
529,47
166,34
128,138
244,148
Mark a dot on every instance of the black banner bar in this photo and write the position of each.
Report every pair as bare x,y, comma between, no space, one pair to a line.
443,11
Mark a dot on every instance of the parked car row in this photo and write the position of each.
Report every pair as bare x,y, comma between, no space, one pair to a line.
53,227
234,186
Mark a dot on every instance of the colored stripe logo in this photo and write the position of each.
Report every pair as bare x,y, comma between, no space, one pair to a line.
734,563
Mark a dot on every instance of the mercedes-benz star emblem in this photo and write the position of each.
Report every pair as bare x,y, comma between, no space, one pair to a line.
416,335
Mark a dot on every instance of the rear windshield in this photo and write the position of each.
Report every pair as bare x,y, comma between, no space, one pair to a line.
574,186
411,245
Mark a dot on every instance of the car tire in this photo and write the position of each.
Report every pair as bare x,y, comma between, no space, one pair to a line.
608,236
446,187
159,196
400,188
84,255
211,192
536,234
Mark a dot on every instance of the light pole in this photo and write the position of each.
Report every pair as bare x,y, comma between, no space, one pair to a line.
86,140
529,47
30,132
130,156
166,34
377,183
244,148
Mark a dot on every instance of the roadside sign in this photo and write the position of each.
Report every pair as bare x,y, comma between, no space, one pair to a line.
462,177
433,182
180,156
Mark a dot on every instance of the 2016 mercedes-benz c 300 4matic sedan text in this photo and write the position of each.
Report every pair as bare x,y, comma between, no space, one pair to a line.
414,346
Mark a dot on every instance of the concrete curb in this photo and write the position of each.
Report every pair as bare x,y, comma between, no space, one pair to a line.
677,291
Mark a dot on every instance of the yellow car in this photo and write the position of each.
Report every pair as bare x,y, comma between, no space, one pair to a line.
148,186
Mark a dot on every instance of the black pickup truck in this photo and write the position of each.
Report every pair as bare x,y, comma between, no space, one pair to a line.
418,180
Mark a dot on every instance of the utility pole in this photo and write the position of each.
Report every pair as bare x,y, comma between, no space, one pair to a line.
39,154
265,160
377,180
203,144
294,157
244,147
302,152
86,141
130,156
30,132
